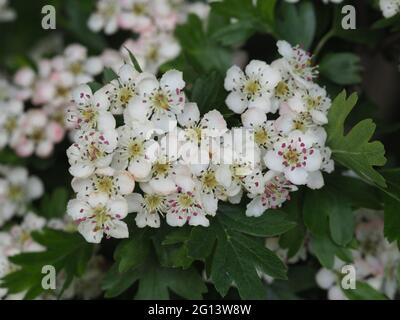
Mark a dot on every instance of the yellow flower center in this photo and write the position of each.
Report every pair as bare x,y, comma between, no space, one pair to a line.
291,156
161,101
76,68
261,136
281,89
104,184
37,135
160,168
185,200
252,87
101,216
209,181
125,95
153,202
135,149
15,193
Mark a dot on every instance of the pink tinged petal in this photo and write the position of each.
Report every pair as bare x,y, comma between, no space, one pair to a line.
253,117
134,202
234,78
297,176
236,102
255,207
273,161
78,210
81,170
172,80
190,115
55,132
24,77
24,148
86,229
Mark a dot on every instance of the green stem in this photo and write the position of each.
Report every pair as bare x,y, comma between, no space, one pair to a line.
322,42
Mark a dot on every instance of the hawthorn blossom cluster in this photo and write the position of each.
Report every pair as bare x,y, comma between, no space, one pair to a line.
153,21
186,163
376,261
291,143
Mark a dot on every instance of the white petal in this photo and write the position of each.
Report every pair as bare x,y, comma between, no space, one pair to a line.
34,188
255,208
190,115
296,176
314,161
319,117
81,94
117,229
325,278
100,100
140,169
199,220
125,182
78,209
175,220
118,208
163,186
172,80
144,219
234,78
315,180
127,73
97,198
273,161
134,201
210,203
223,175
236,102
81,170
253,117
87,231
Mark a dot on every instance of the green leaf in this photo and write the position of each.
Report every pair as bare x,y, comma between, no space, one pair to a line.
272,223
296,23
94,86
341,68
109,75
331,207
208,92
155,281
266,9
201,51
236,258
354,150
134,60
364,291
131,252
54,205
67,252
392,205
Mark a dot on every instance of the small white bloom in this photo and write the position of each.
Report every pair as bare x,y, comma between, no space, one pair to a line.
105,17
148,207
295,156
252,88
98,215
389,8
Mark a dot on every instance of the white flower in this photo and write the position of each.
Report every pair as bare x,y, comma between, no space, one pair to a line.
185,207
90,111
295,156
296,63
389,8
92,150
265,133
252,88
121,91
17,190
107,180
267,192
135,15
98,215
160,100
149,207
135,152
106,16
